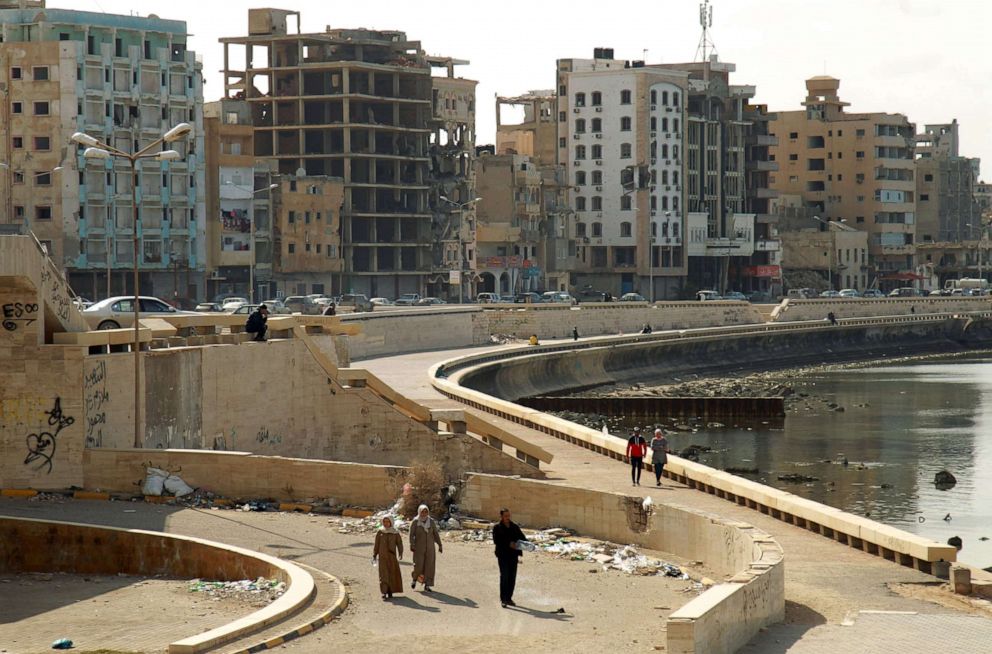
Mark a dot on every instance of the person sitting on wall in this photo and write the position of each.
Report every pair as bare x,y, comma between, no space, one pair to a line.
330,310
256,323
533,340
832,318
647,329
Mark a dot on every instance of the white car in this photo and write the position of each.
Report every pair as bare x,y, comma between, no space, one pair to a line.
118,312
382,301
849,292
232,303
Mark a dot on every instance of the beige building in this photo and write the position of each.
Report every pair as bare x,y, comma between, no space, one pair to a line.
838,255
858,168
306,235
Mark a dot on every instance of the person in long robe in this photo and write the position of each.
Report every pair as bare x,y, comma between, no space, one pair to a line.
423,534
388,550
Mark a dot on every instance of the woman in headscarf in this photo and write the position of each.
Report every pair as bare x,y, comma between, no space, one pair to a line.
388,550
659,455
423,534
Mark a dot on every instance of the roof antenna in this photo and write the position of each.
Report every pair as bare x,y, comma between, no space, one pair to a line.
706,22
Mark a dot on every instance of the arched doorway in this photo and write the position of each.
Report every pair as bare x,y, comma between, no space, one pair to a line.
487,283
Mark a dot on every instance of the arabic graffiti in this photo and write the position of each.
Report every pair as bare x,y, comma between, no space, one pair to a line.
41,446
96,396
18,312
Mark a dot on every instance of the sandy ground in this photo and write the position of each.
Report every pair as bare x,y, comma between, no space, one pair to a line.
604,610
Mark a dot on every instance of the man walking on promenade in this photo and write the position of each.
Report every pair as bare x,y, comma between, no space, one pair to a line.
506,535
637,447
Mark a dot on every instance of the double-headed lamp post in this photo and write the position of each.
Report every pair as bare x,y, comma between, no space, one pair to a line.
251,236
98,150
460,207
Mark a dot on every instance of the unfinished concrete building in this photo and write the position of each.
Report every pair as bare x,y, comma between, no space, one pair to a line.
355,104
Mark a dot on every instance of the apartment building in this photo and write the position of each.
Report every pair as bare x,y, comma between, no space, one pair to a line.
621,143
362,105
853,168
124,80
535,137
306,234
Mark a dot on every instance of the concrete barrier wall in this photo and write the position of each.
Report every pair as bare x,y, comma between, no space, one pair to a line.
388,332
817,309
725,617
241,475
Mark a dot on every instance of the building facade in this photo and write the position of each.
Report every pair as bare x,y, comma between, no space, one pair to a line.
854,168
358,105
124,80
306,235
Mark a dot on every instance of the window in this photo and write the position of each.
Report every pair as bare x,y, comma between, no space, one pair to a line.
860,154
664,202
859,133
291,248
675,203
860,219
597,203
17,142
625,123
859,178
654,202
625,96
597,125
664,178
291,218
562,117
625,150
597,98
597,229
675,98
626,203
580,203
793,157
664,150
654,97
42,213
840,178
306,247
42,143
40,108
597,177
580,229
928,178
306,217
318,248
40,73
675,124
18,177
664,97
924,197
840,132
15,72
840,155
664,124
793,136
625,230
123,306
580,126
580,99
563,142
580,152
19,212
654,124
861,198
43,179
580,178
597,152
15,108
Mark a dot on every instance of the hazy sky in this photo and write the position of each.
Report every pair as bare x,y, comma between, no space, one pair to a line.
929,59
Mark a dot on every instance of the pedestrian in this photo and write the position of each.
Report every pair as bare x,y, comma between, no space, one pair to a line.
423,535
257,323
533,340
832,318
647,329
575,333
331,309
388,550
659,455
506,535
636,449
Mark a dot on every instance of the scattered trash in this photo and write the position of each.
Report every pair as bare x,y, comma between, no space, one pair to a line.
526,546
259,590
157,481
175,485
797,478
647,503
62,643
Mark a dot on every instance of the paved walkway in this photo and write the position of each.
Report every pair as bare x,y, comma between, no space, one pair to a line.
825,581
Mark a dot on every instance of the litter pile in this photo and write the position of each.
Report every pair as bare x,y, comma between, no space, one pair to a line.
259,591
372,522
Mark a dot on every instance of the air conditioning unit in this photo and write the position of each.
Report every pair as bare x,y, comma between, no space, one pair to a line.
599,162
599,110
599,214
599,135
576,110
678,188
654,134
668,239
669,109
585,239
654,107
653,161
599,188
668,187
654,212
577,162
668,162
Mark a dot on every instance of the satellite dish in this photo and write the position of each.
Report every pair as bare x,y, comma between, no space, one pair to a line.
301,172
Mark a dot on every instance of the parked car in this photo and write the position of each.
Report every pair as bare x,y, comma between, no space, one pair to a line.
801,294
707,296
382,302
276,307
487,298
760,297
849,292
589,295
82,303
208,307
408,300
301,304
872,293
232,303
117,312
905,291
735,295
527,298
558,297
429,301
633,297
245,310
356,302
830,294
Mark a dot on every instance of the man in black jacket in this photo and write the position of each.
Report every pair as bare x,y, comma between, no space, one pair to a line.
506,534
256,322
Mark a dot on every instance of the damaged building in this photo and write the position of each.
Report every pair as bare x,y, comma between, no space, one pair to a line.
362,105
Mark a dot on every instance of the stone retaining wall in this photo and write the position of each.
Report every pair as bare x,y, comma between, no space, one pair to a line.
817,309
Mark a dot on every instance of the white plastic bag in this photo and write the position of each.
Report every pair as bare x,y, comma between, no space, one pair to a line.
154,481
177,486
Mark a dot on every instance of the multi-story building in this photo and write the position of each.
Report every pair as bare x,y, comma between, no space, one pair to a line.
535,137
852,168
306,234
124,80
360,105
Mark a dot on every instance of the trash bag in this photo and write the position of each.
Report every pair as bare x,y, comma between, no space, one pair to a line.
154,481
526,546
177,486
62,643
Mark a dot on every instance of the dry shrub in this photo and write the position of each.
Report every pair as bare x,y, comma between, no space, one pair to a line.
426,486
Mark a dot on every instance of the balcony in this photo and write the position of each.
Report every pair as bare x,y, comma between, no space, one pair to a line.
765,139
765,166
766,245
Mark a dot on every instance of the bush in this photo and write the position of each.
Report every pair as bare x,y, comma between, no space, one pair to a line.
423,484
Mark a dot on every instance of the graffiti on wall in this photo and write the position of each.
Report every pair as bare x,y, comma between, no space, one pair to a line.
18,314
57,293
96,397
42,445
265,438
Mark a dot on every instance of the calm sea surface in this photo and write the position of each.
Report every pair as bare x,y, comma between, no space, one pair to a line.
919,419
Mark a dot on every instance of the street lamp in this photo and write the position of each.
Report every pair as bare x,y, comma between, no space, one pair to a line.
460,207
102,151
251,237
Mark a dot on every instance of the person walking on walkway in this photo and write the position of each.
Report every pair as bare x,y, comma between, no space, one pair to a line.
388,551
423,534
636,449
506,535
256,322
575,333
659,455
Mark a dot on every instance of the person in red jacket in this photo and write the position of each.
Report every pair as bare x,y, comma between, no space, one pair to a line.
637,447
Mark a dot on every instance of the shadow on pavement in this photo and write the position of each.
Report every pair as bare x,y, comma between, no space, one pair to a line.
780,638
557,614
454,601
410,603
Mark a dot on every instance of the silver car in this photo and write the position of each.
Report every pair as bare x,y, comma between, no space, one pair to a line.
117,312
